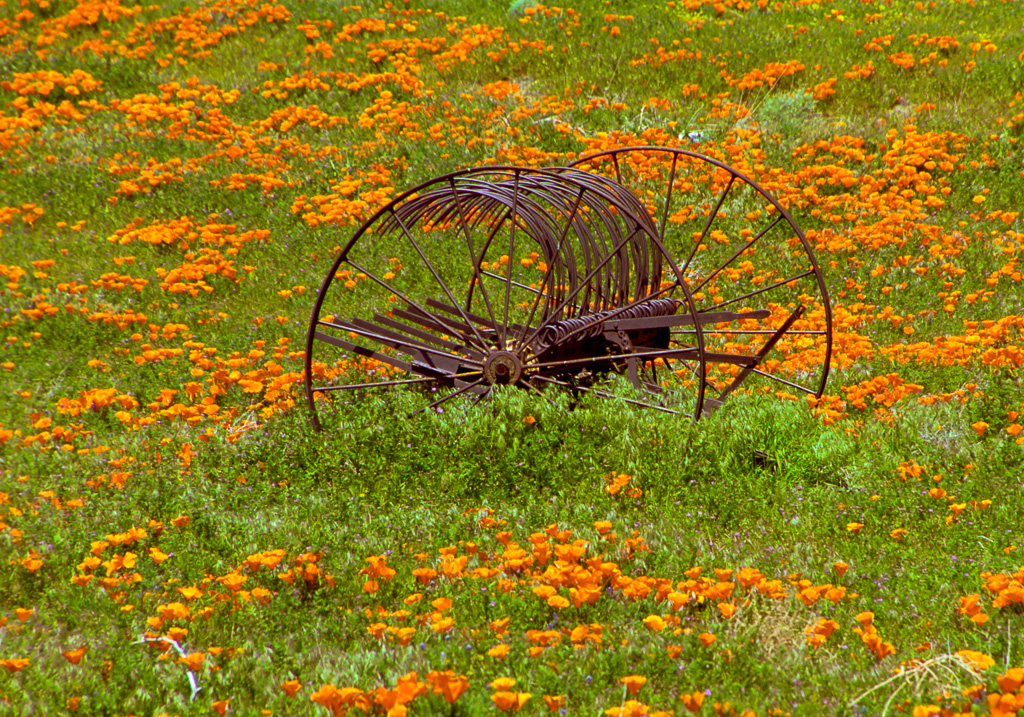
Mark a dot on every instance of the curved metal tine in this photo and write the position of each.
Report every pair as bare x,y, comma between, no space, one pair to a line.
653,370
644,378
736,255
530,217
762,290
617,198
393,342
449,397
440,281
518,285
707,227
647,255
594,242
474,260
608,394
690,364
511,253
631,261
549,272
400,382
542,199
589,276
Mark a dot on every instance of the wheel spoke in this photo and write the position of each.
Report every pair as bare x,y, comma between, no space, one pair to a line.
404,297
707,227
763,289
382,384
668,197
795,386
768,346
549,272
449,397
425,335
735,256
393,340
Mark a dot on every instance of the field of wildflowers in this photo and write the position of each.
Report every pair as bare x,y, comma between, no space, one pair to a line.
176,539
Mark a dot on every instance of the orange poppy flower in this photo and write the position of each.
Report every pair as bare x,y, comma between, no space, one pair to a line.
75,656
633,683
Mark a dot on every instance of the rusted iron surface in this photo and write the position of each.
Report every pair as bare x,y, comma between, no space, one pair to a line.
667,268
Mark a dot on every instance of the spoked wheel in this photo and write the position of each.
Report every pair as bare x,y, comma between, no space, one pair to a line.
755,283
508,276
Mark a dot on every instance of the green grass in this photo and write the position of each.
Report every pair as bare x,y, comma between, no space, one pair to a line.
763,483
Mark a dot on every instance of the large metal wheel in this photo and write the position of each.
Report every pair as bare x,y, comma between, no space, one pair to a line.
738,250
510,276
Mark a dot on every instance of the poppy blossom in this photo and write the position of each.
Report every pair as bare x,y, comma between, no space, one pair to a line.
510,701
15,664
75,656
554,703
693,700
633,683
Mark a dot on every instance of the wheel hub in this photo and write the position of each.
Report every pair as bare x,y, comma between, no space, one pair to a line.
502,367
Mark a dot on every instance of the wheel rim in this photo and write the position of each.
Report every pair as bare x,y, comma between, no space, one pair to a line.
739,250
504,275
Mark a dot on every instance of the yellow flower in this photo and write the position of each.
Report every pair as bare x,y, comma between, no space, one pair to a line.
654,623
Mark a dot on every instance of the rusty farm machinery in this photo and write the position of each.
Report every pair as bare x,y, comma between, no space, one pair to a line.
651,275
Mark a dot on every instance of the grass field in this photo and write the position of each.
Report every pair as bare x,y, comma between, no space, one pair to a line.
177,539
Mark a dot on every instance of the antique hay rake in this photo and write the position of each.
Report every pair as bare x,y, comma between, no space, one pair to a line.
657,276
